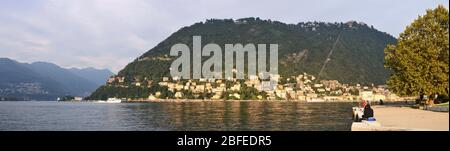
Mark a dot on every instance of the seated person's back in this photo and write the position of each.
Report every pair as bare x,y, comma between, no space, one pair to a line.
368,112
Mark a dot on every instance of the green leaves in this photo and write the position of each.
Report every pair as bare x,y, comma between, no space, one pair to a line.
419,61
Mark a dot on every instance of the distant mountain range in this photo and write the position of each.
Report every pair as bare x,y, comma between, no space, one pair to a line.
96,76
46,81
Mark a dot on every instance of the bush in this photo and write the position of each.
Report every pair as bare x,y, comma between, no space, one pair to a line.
441,99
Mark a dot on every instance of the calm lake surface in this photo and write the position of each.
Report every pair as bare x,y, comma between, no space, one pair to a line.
196,116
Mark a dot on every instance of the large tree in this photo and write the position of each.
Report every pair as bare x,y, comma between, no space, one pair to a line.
419,60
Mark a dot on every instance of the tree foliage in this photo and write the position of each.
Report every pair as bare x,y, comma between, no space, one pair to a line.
419,60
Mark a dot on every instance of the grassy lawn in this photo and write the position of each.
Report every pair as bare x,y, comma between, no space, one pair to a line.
442,104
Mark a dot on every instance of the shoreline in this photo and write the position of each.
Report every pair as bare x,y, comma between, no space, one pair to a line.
395,103
411,102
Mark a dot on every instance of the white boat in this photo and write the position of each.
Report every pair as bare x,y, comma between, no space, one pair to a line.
111,100
315,100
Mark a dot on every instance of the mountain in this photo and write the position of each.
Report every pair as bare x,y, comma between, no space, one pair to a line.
18,82
350,52
97,76
40,81
73,83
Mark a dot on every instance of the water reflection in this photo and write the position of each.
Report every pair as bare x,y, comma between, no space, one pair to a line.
197,116
255,116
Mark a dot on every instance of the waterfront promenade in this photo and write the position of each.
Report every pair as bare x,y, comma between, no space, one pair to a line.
396,118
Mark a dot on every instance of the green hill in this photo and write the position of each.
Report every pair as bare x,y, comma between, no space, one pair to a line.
357,49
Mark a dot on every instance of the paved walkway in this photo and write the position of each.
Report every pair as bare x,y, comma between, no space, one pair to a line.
412,119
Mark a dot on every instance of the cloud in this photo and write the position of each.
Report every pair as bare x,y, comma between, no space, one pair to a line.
108,32
111,33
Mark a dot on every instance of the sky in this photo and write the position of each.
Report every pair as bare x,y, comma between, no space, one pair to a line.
111,33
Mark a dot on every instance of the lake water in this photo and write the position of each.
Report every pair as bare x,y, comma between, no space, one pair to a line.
196,116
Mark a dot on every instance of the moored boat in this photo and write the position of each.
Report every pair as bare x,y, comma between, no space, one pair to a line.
111,100
315,100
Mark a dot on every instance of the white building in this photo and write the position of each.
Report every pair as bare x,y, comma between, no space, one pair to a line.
77,98
366,95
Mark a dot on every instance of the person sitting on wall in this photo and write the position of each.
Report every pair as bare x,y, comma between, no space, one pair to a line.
368,113
360,113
